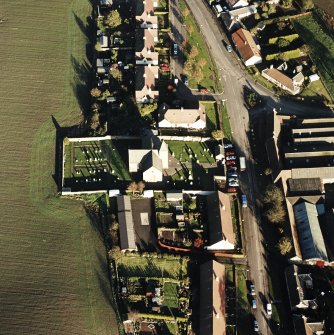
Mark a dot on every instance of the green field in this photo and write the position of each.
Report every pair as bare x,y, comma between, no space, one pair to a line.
53,264
322,48
136,266
212,117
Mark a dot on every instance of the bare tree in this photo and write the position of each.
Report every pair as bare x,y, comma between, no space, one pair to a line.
113,19
284,245
185,12
133,187
95,92
115,253
140,187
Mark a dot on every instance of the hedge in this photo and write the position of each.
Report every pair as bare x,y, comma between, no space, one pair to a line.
289,38
162,317
290,54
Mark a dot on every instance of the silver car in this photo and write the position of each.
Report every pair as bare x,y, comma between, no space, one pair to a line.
230,158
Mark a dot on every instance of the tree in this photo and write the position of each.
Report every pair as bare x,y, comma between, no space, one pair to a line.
147,109
281,25
273,195
190,29
95,92
286,3
188,67
115,253
98,46
114,55
105,94
193,52
305,49
116,74
264,7
282,43
133,187
113,19
217,134
257,16
251,99
141,186
185,12
94,121
201,63
268,171
306,4
198,74
284,245
275,214
272,9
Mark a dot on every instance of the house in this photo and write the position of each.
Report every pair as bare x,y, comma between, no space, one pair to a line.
103,41
106,2
212,299
248,50
310,236
181,117
126,226
292,85
145,42
232,4
242,12
313,77
300,289
303,326
150,161
145,17
219,152
220,225
231,23
146,77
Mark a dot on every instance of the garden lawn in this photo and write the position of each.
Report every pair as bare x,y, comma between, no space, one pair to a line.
316,91
140,266
182,151
322,48
170,295
196,39
54,273
212,117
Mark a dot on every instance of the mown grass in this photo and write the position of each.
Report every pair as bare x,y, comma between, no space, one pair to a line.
226,123
53,264
212,117
315,91
322,48
170,295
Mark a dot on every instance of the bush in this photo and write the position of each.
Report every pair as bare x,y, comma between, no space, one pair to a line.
287,55
284,245
289,38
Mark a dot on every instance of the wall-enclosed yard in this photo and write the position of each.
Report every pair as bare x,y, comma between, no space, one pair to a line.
53,266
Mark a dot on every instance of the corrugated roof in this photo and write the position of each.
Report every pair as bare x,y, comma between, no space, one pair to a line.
126,226
310,236
317,172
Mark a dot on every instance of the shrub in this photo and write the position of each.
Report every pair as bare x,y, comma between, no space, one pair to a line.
289,38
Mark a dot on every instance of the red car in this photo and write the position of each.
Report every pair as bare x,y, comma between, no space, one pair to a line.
229,153
228,163
164,67
204,90
231,190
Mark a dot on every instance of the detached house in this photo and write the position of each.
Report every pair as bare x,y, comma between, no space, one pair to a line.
146,77
232,4
145,42
248,50
182,117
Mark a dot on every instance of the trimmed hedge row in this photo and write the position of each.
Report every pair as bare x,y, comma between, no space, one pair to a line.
289,38
290,54
162,317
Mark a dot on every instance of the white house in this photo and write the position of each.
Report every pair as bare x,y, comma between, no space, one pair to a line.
182,117
232,4
248,50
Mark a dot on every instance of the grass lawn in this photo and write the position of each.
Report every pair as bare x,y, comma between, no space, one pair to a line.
212,117
136,266
196,39
322,48
315,91
183,150
180,175
170,295
226,122
53,267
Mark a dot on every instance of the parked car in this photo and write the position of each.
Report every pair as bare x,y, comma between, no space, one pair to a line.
185,80
175,49
256,326
233,183
204,90
252,289
229,48
228,145
229,153
244,200
232,169
231,190
232,174
228,163
231,158
269,309
253,303
164,67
